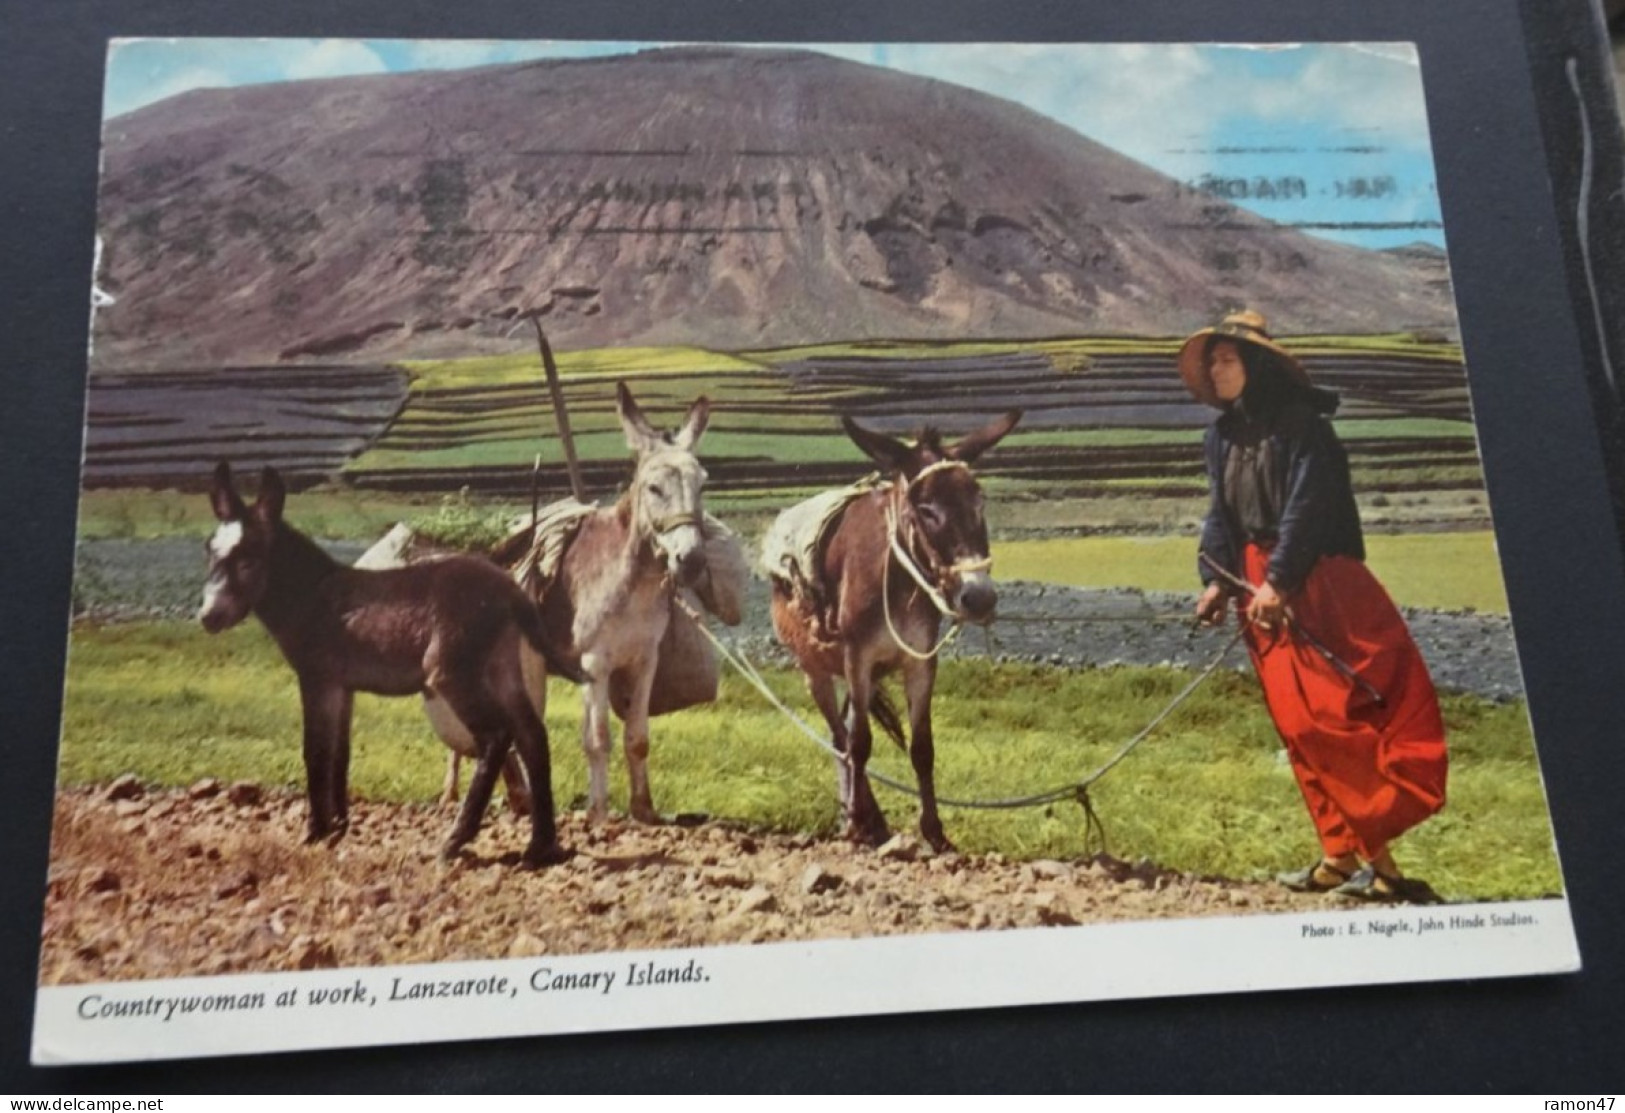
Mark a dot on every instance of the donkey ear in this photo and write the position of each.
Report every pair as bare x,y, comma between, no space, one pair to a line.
974,444
223,497
273,495
886,451
640,435
694,424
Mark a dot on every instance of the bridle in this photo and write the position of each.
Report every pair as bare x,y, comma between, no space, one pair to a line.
660,527
900,516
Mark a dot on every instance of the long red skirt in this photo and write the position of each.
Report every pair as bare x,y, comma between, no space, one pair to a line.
1369,770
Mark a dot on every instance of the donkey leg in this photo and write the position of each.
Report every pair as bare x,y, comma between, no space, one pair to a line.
533,677
448,786
865,821
919,678
595,742
530,740
635,740
513,780
822,688
493,748
340,759
327,711
472,705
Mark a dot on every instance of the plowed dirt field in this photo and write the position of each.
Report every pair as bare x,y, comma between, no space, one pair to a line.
214,879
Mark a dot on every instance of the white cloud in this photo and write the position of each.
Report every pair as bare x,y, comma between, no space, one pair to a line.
1144,98
330,58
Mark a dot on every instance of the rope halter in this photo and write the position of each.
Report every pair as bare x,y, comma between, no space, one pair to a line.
929,584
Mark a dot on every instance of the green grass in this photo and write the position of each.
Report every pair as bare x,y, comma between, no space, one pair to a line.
526,367
336,513
1437,571
607,445
1209,792
1068,355
1398,428
1392,343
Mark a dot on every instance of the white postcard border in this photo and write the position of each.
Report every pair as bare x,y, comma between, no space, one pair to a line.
191,1017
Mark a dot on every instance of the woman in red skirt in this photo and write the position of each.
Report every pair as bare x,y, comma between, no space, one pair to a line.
1344,682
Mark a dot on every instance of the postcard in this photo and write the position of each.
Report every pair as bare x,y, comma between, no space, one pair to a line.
580,536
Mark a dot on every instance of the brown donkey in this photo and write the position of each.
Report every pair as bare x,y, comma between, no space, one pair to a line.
452,627
899,559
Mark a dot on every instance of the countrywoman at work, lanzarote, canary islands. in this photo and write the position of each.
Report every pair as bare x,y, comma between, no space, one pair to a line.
1344,682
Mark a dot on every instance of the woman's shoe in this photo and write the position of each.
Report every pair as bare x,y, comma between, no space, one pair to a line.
1322,877
1369,885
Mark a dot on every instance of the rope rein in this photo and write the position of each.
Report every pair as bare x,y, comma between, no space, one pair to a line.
932,592
1076,790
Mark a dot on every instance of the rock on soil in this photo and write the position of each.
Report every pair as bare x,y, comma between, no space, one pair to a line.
206,887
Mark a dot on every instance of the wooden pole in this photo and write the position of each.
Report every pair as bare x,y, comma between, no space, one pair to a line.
560,414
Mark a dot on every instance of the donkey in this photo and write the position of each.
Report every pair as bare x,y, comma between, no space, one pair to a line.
452,627
614,589
610,602
899,559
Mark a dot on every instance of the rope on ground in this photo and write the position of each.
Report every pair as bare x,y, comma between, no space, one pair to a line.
1076,790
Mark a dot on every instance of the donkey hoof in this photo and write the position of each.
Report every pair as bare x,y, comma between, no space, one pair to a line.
550,855
867,834
646,814
325,836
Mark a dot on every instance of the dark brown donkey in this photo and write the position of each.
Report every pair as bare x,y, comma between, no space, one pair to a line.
899,560
452,627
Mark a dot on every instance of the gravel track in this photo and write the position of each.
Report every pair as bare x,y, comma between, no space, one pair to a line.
1061,626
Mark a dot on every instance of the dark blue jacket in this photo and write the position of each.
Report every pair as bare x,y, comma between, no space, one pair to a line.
1318,516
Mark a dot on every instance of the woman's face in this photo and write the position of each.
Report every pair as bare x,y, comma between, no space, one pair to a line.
1226,371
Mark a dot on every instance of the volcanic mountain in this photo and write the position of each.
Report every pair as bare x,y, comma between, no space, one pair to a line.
716,196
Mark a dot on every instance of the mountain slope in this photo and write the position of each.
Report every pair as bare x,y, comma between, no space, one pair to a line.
717,196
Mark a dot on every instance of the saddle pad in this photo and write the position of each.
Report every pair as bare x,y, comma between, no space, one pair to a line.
794,544
688,671
534,556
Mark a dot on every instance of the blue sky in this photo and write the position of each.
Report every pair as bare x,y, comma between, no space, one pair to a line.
1330,137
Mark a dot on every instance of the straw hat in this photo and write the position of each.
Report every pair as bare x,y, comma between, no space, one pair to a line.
1245,327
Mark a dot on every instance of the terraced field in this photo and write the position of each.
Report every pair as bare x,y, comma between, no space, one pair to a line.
1101,417
1104,418
169,429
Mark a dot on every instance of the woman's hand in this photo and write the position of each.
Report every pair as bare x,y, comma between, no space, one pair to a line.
1210,607
1267,608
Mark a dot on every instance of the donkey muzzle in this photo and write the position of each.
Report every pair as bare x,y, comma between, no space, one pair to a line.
218,610
976,599
681,542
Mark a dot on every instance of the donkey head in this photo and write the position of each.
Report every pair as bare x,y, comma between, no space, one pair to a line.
240,550
667,506
940,508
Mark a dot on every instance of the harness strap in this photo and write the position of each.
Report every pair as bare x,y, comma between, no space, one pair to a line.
940,465
912,567
675,521
900,554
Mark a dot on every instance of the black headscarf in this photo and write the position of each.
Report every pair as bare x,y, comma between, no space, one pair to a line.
1270,390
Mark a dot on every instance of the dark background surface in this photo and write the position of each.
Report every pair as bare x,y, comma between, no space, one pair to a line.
1507,133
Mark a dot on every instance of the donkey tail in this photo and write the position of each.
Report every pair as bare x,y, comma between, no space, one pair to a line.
528,616
884,712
